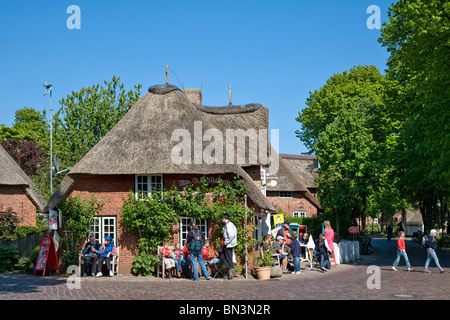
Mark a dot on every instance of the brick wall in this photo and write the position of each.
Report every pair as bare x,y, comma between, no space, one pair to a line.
298,202
113,190
15,197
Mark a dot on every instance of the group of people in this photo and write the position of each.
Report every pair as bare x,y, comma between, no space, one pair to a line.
95,254
429,243
288,244
197,250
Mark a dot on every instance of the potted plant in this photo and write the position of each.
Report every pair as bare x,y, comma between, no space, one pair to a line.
263,265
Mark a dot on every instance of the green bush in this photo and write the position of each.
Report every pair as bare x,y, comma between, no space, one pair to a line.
8,224
70,257
145,264
9,257
34,254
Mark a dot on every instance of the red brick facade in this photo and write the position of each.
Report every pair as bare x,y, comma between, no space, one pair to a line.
298,202
15,197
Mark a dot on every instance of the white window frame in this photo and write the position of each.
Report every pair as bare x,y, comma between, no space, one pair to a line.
285,194
299,214
104,226
150,184
183,228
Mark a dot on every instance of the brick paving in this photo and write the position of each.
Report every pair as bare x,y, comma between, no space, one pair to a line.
346,282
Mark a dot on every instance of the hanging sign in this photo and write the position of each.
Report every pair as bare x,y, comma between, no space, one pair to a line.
52,216
47,256
353,229
278,220
56,239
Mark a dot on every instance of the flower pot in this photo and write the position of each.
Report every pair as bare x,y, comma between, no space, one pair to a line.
263,273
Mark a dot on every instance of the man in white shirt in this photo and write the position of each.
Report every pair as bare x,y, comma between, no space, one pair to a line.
229,242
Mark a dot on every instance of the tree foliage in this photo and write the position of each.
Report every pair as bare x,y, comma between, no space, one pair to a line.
416,36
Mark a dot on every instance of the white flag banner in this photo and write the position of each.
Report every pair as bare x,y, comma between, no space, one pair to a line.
52,219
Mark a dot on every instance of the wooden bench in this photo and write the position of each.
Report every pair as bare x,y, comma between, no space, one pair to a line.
114,263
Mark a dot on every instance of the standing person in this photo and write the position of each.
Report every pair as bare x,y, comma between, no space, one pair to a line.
324,250
296,253
187,261
329,232
401,251
286,233
229,242
430,245
91,251
107,251
389,232
195,240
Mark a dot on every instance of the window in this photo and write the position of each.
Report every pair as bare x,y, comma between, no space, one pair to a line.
105,226
299,214
184,228
285,194
145,184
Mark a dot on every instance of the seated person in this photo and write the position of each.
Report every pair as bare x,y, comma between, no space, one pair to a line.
268,243
91,252
205,251
106,254
169,262
218,256
280,248
178,257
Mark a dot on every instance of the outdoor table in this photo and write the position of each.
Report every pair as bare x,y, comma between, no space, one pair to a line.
308,256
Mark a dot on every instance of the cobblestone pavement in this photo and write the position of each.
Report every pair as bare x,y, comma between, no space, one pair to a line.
346,282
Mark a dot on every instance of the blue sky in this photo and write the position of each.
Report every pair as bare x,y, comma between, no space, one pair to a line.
273,52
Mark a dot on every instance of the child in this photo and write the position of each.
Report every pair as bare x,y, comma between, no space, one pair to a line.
324,250
205,251
296,253
187,261
401,251
178,257
169,263
106,254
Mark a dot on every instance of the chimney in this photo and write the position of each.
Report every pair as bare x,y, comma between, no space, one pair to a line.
194,95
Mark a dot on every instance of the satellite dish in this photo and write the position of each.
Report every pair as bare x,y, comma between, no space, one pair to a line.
56,167
273,183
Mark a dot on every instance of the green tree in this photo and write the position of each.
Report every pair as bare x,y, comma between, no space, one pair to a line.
324,105
416,36
347,154
87,115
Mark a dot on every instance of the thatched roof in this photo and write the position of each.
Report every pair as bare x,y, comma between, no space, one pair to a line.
287,180
141,142
304,166
12,175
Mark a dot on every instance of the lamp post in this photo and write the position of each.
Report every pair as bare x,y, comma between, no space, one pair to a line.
48,89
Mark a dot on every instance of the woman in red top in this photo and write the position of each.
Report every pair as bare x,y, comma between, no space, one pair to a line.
401,251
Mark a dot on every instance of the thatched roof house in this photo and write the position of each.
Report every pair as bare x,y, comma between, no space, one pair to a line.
17,191
287,191
143,150
141,142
